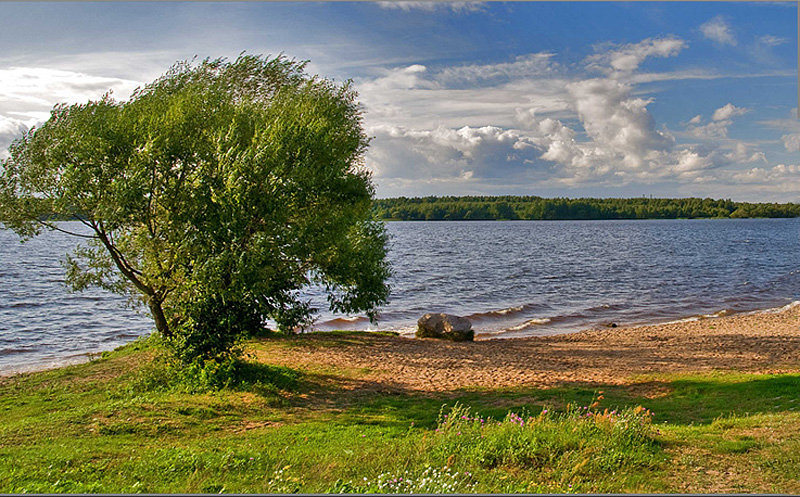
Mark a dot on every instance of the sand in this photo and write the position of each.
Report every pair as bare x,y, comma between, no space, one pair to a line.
765,342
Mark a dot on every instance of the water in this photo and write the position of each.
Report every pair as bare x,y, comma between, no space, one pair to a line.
517,278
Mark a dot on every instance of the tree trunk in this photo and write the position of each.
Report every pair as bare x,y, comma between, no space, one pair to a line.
158,317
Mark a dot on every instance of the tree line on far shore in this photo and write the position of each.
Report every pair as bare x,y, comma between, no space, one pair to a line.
468,208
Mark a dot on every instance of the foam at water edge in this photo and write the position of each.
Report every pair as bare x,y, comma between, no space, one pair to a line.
529,323
777,310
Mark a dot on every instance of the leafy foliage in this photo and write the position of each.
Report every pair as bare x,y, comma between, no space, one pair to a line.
214,195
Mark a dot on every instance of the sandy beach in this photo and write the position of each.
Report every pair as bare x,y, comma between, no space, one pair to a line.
767,341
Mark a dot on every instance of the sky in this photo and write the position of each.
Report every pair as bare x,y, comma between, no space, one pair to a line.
573,99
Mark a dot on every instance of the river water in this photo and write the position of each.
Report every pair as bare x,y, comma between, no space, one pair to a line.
515,278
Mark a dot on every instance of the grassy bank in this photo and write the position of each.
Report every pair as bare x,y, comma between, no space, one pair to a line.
122,423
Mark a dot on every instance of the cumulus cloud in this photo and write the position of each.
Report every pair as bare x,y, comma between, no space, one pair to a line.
623,141
742,154
791,142
621,123
718,31
712,130
773,176
533,121
627,58
728,111
717,127
464,153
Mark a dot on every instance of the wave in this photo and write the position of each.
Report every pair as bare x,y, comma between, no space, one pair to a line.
16,350
349,321
785,307
775,310
606,308
529,324
508,311
697,317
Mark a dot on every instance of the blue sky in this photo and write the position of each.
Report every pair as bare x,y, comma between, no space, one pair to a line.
535,98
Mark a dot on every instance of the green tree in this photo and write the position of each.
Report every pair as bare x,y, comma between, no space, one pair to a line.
214,195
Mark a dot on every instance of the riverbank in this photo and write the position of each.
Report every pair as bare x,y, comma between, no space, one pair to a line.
763,342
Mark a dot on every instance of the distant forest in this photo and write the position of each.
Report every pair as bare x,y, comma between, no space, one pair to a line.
538,208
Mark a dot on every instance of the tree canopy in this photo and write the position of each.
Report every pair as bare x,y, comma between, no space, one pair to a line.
214,195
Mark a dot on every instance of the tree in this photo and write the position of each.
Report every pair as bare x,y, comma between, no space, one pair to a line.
214,195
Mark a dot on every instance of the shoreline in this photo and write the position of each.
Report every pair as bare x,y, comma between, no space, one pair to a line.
766,341
513,349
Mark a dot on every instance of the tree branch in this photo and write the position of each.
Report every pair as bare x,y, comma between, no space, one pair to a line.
56,228
127,269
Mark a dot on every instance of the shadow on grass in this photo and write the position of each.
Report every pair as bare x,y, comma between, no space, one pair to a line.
676,399
248,374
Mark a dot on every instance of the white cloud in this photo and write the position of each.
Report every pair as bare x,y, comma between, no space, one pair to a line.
10,130
532,121
27,94
400,78
742,154
469,95
710,131
627,58
775,175
621,132
718,31
453,6
728,111
36,86
624,144
524,66
466,153
771,41
791,142
717,128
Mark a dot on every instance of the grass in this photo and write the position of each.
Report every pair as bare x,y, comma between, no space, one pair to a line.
124,424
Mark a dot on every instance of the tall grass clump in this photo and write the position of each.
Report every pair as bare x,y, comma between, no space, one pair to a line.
574,445
162,372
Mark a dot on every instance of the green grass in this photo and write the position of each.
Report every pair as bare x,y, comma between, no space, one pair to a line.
128,422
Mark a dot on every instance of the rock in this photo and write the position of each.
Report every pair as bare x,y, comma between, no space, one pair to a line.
445,326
